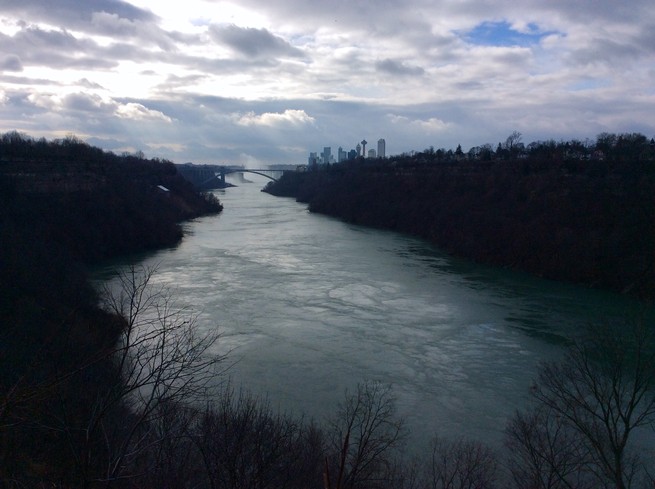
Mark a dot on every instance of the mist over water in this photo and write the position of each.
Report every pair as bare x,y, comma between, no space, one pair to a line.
310,306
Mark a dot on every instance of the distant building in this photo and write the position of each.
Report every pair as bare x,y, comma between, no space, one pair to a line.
371,153
327,154
341,155
382,152
358,148
364,143
312,160
352,154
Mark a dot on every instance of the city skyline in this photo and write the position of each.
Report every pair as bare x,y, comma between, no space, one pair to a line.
258,83
359,150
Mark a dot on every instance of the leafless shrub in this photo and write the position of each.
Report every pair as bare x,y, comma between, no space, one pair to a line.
245,444
461,464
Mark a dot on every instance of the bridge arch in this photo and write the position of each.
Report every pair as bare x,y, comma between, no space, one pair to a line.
262,172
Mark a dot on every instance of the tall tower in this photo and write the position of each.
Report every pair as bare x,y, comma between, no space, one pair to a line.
364,143
381,148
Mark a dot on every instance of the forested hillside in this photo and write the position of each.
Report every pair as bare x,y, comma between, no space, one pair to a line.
566,211
65,205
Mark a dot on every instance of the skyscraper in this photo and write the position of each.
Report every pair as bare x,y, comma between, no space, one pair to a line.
381,148
327,154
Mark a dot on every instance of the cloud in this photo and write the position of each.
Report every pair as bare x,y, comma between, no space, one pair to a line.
254,43
289,117
111,24
84,102
104,22
11,63
139,112
55,48
73,13
173,147
433,124
398,68
45,101
85,83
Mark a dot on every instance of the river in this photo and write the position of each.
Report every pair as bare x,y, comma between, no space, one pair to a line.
309,306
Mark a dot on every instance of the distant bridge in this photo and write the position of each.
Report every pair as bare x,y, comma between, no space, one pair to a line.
270,174
205,177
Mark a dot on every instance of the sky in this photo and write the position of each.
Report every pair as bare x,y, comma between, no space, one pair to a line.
259,82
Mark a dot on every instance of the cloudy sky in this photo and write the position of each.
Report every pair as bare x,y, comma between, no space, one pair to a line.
267,81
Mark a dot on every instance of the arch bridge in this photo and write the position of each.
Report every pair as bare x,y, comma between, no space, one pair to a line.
264,172
207,176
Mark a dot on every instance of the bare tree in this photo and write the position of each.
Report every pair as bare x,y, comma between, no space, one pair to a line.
461,464
364,436
160,360
603,392
545,453
513,141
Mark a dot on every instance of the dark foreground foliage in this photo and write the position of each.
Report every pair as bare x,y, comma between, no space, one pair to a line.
559,210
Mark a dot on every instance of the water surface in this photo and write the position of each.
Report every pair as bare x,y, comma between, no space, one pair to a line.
310,306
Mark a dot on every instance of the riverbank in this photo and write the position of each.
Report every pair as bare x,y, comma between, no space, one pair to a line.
587,222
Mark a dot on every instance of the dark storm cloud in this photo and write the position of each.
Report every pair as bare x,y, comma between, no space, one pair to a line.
398,68
254,43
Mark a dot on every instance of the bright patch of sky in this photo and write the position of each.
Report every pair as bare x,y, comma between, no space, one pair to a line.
589,84
504,34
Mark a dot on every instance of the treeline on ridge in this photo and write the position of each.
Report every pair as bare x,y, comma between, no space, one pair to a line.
568,211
